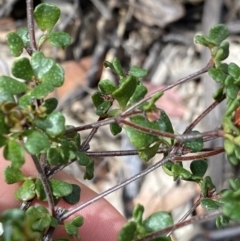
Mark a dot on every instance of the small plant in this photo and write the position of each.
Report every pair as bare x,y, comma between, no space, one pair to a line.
30,123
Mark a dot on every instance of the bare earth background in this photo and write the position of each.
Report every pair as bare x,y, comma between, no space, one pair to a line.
158,36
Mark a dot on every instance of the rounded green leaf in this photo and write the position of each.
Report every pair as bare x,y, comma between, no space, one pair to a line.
127,232
26,192
55,157
22,69
199,167
194,145
97,98
107,86
56,124
59,39
41,90
25,100
89,173
234,70
42,223
71,229
83,159
232,91
103,108
207,186
139,93
74,196
50,105
13,175
222,53
15,44
205,41
115,129
217,75
158,221
222,221
125,91
178,170
117,67
54,76
14,152
12,86
23,34
46,16
149,152
60,188
209,204
138,72
229,146
39,190
36,142
41,64
218,33
138,138
77,221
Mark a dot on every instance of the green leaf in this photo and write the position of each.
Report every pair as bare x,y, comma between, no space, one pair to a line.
83,159
41,64
229,146
222,53
54,76
77,221
207,186
138,213
97,98
15,44
14,152
60,188
219,32
115,129
70,229
127,232
232,91
195,145
55,157
6,96
235,184
234,70
217,75
46,16
13,175
23,34
22,69
39,190
11,86
149,152
125,91
158,221
4,129
41,224
59,39
205,41
103,108
89,173
138,72
199,167
50,105
222,221
74,196
179,171
56,125
42,90
118,67
106,86
26,192
36,142
25,100
138,94
209,204
138,138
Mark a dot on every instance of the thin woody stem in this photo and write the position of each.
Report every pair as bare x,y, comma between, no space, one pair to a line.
30,23
189,77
